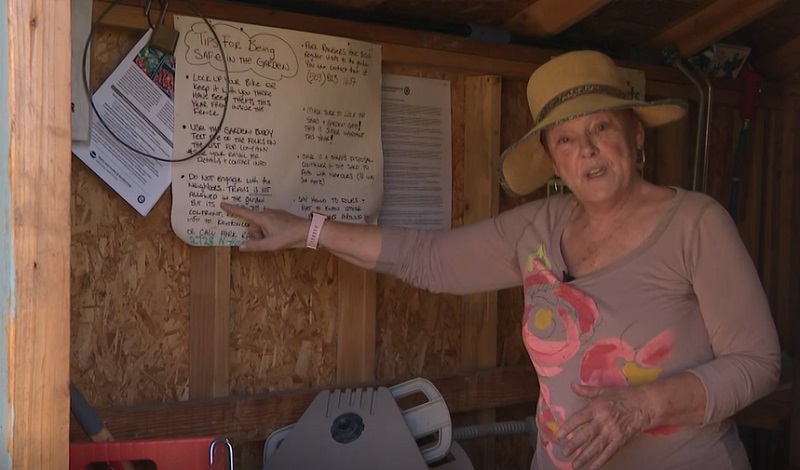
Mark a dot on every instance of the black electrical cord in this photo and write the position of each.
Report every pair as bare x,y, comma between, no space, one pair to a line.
163,12
224,64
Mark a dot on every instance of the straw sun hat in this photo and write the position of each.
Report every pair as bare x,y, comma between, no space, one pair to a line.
571,85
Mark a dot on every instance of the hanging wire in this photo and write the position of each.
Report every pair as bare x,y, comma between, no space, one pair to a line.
161,15
161,18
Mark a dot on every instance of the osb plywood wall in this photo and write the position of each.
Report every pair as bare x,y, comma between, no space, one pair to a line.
129,284
130,295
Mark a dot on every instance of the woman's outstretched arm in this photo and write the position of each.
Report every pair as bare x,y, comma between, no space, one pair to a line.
273,230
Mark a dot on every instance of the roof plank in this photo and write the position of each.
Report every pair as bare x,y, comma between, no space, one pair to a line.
550,17
711,24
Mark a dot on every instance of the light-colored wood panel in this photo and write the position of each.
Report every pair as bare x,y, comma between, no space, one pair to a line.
209,322
481,196
481,200
36,221
355,356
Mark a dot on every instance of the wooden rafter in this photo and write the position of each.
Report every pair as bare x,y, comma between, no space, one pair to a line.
711,24
550,17
781,63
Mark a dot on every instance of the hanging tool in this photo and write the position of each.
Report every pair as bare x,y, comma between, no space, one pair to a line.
671,56
747,105
91,424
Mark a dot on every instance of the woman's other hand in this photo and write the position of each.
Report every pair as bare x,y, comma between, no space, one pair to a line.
612,417
270,229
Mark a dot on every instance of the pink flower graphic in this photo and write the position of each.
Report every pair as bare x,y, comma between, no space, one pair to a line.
615,363
548,418
555,320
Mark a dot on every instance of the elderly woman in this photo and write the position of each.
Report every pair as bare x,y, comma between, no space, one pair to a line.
644,316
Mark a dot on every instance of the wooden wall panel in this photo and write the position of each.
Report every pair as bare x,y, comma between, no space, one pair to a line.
129,283
209,321
418,332
482,111
34,227
355,358
283,324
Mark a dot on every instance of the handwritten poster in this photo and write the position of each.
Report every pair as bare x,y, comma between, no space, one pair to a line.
301,129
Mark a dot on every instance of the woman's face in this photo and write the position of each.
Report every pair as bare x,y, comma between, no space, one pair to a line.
595,155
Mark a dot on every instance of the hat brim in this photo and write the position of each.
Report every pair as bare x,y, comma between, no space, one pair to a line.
525,166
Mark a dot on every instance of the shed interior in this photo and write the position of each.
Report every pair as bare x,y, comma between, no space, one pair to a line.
172,340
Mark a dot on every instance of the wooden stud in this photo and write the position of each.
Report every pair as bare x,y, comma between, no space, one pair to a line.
35,228
550,17
481,200
355,355
209,322
712,23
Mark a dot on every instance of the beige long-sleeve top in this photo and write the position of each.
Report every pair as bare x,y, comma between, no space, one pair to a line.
687,299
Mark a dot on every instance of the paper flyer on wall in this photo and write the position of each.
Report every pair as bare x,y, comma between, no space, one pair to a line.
417,147
135,102
292,122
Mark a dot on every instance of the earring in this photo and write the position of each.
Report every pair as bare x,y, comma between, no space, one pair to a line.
641,158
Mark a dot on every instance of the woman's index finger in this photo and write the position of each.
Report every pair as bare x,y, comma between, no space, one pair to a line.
240,211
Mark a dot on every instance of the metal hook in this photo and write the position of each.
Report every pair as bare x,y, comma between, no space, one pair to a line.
162,12
227,443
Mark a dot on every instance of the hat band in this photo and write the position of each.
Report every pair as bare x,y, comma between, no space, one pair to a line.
573,93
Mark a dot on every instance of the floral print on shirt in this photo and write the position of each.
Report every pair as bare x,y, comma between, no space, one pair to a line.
557,322
557,317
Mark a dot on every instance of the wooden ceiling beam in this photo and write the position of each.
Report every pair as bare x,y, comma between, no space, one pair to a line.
712,23
550,17
781,63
